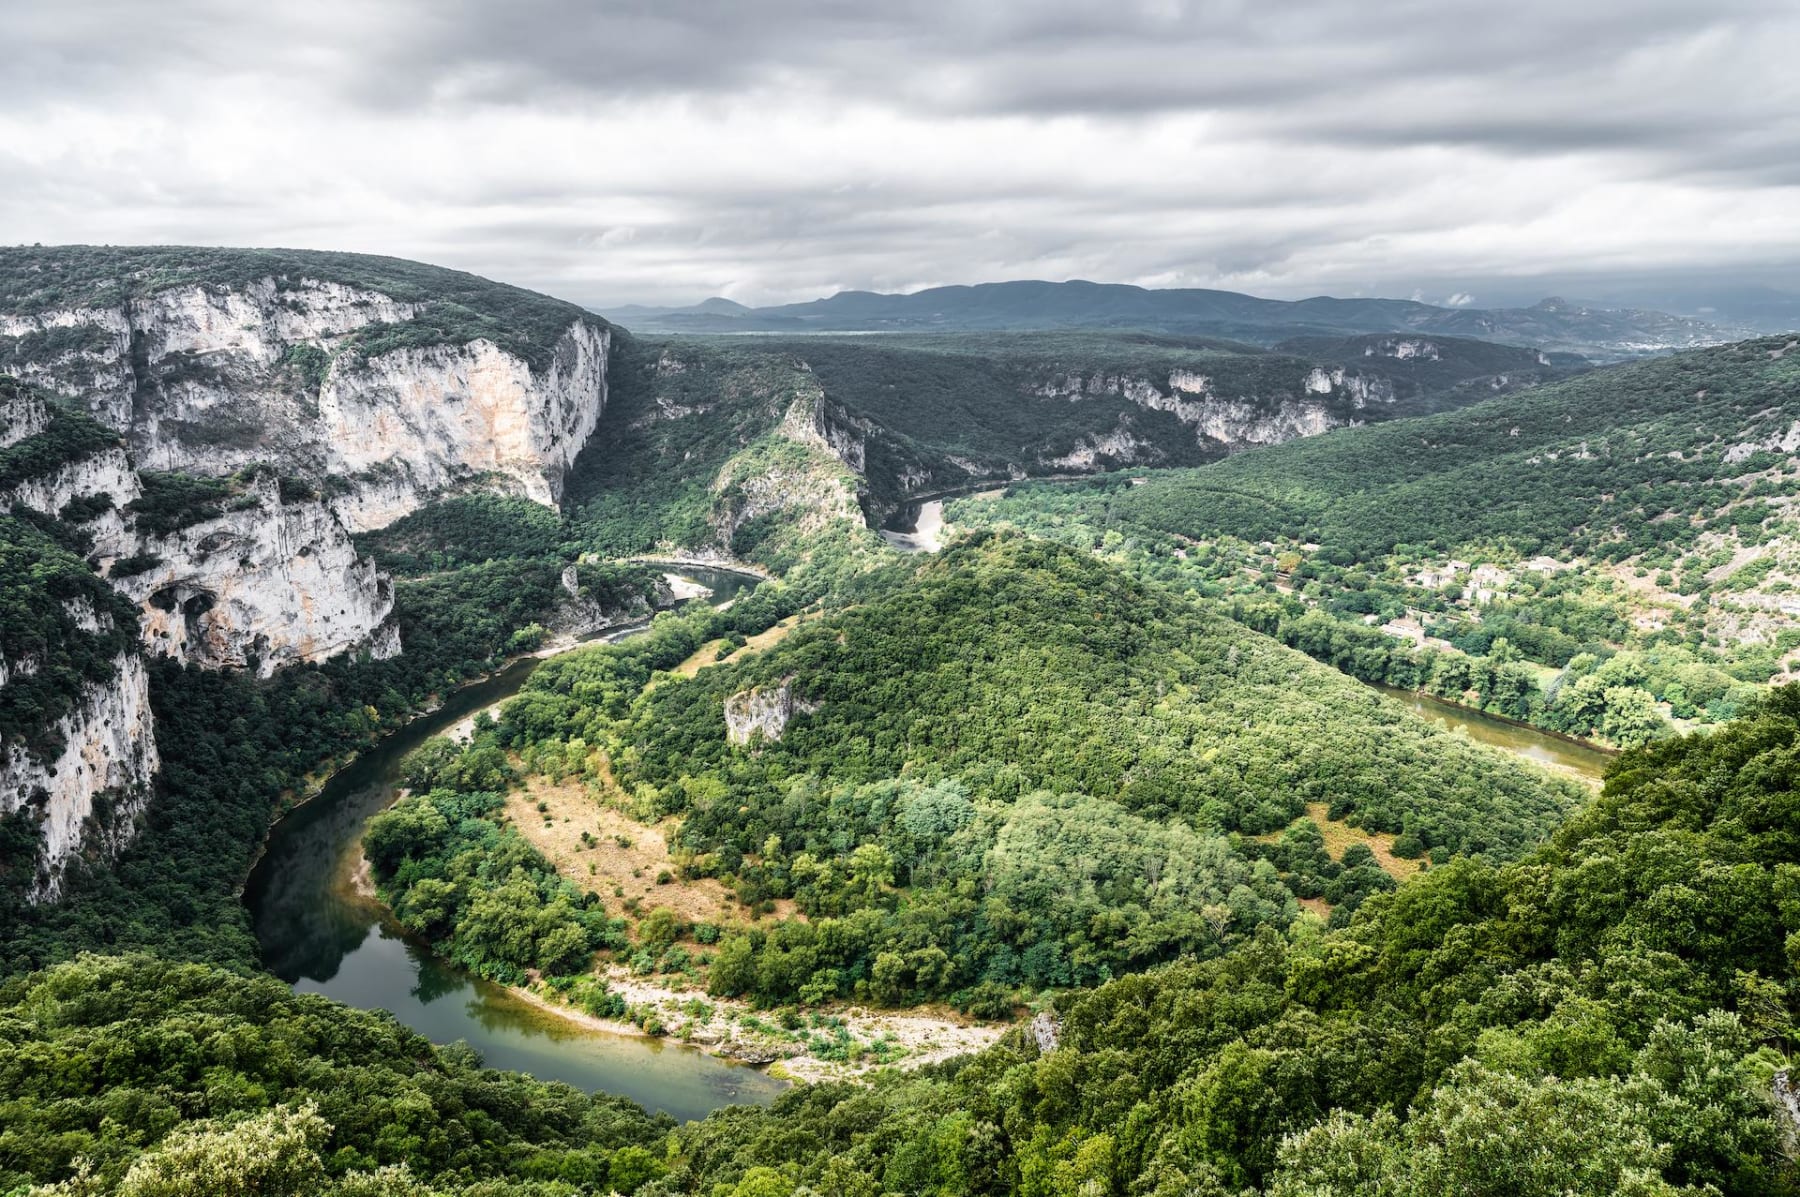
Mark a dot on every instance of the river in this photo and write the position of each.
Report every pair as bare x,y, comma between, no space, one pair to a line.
1558,754
320,936
926,534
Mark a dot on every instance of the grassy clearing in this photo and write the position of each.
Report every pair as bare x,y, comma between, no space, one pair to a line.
708,653
621,859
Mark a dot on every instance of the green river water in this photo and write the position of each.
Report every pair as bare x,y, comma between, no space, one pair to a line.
319,935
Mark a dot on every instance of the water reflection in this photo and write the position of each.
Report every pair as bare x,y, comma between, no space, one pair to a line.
1541,748
321,936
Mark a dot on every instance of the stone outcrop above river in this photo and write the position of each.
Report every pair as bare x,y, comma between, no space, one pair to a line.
264,584
394,389
87,796
761,714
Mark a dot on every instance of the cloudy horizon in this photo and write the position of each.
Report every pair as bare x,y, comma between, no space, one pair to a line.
659,154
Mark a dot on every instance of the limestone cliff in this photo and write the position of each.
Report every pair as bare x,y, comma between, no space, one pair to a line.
801,477
406,383
761,714
416,421
104,474
88,796
264,584
1305,405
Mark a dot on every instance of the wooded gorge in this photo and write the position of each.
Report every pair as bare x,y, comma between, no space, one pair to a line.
1102,780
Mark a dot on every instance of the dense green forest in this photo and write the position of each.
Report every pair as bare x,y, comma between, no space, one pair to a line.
963,806
1607,557
143,1076
1602,1016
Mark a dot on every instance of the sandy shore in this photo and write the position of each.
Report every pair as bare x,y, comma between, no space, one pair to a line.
927,535
735,1031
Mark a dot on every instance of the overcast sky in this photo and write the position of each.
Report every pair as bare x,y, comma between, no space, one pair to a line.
665,150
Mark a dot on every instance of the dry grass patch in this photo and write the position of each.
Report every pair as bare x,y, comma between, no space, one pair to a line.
1340,835
708,653
621,854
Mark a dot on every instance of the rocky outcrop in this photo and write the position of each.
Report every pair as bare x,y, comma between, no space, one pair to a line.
1109,450
1317,401
1046,1032
579,613
799,473
1787,1112
211,378
761,714
263,585
107,474
22,415
1406,348
440,416
87,799
812,419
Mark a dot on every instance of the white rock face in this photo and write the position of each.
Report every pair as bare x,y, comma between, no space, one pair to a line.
1780,442
1118,446
107,472
89,797
761,713
438,416
1321,400
1406,348
209,379
845,438
265,586
21,416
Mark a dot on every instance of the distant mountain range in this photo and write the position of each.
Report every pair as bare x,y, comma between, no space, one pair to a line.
1553,324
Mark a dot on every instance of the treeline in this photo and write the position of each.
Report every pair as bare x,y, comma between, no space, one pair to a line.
145,1077
1600,1017
476,890
994,784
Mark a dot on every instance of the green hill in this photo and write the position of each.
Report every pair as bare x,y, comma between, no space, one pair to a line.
1007,767
1608,556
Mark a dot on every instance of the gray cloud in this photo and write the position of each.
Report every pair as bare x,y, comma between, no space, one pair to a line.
662,151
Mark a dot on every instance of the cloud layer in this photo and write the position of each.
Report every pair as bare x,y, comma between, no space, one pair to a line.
661,152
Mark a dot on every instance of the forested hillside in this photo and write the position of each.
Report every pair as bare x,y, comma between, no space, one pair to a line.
1608,556
1601,1017
917,414
935,802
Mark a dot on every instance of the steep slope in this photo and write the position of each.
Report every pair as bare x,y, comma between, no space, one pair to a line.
1007,767
912,416
1552,324
245,570
1607,554
77,750
238,573
393,379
